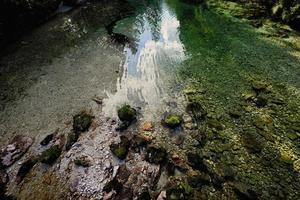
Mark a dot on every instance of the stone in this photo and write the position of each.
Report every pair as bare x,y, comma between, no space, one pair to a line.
50,155
197,180
148,126
179,190
47,139
249,95
140,140
172,120
17,147
71,139
196,162
127,113
82,161
286,158
25,168
196,110
235,113
261,100
113,185
259,86
292,135
156,155
120,149
82,122
251,143
244,191
144,195
214,123
123,126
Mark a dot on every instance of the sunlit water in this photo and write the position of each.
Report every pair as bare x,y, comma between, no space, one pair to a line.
157,48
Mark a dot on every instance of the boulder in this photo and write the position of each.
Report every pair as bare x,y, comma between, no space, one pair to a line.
126,113
172,120
155,154
17,147
50,155
82,122
120,149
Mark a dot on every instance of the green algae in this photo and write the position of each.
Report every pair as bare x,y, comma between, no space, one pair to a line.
173,120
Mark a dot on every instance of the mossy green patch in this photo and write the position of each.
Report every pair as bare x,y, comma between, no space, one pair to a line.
173,120
127,113
82,122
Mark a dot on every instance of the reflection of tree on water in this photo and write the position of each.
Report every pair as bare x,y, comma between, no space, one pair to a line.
153,17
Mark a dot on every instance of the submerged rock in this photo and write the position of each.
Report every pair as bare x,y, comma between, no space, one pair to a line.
243,191
15,150
261,100
196,110
155,154
214,123
196,162
50,155
120,149
126,113
82,122
113,185
172,120
251,143
25,168
179,190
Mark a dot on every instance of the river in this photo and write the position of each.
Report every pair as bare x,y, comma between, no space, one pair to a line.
246,79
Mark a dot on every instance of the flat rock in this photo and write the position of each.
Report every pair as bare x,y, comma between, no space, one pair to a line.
15,150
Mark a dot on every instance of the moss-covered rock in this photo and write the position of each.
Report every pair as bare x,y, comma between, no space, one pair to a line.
50,155
126,113
120,149
82,122
156,155
71,139
172,120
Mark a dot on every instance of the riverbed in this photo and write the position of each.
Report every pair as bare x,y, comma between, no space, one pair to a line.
244,81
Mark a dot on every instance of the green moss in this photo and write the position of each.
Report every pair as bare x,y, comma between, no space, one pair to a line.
120,149
126,113
82,122
50,155
173,120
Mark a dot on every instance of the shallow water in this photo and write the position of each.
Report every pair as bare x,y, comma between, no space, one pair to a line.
173,47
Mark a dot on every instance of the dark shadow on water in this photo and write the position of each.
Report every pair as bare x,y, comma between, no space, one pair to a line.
224,55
